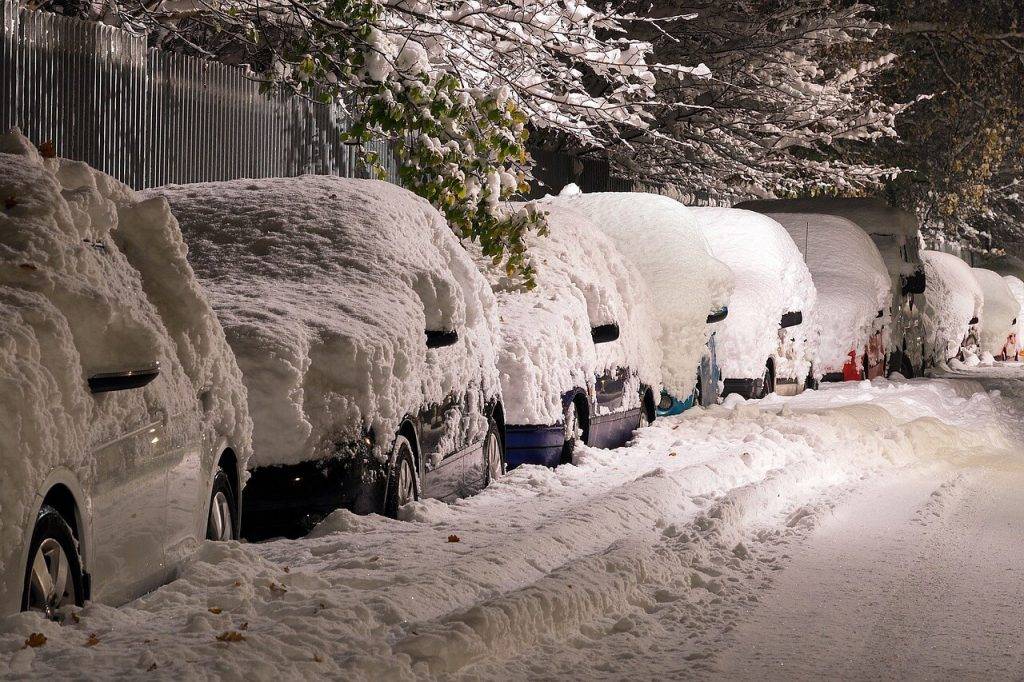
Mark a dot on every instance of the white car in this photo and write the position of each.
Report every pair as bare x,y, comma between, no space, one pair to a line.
578,354
998,315
953,307
365,335
849,322
1017,289
124,430
689,286
896,234
762,345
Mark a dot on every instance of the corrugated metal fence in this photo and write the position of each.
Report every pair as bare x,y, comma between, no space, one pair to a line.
151,118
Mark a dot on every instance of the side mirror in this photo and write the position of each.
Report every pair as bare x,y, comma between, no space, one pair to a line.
974,320
880,313
915,284
123,381
718,315
605,333
791,319
441,338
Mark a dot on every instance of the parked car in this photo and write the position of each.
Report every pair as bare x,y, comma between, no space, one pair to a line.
578,354
895,233
365,336
953,307
690,287
124,430
762,345
999,313
849,321
1017,289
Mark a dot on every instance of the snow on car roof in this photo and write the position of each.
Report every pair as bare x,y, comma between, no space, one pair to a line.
771,279
546,346
850,278
659,236
953,298
93,280
325,286
998,310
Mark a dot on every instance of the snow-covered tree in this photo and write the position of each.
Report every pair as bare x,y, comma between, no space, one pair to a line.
452,82
784,91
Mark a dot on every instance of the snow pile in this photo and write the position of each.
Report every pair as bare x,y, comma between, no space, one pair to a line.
93,280
325,287
953,298
890,228
998,312
575,570
659,236
771,280
851,281
1017,289
546,348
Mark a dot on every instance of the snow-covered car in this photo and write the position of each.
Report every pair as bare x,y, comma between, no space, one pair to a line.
849,322
952,308
895,233
578,354
1017,289
999,313
690,288
365,335
124,430
762,345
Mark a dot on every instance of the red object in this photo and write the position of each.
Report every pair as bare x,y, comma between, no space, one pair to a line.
851,370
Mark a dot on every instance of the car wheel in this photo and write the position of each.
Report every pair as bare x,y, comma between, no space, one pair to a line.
53,576
767,383
403,487
494,455
222,523
698,393
573,431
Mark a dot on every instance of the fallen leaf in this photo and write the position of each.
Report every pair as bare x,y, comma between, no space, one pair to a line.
36,639
48,149
215,610
27,266
238,583
317,659
244,626
673,454
287,570
151,668
93,640
453,538
280,589
231,636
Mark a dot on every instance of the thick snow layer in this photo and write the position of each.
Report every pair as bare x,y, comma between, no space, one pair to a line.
636,562
998,312
890,228
659,236
1017,289
771,280
94,280
546,348
325,287
953,298
851,281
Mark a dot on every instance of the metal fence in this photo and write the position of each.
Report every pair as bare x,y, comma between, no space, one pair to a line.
149,117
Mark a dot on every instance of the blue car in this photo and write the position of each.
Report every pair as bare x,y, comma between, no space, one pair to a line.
709,375
578,357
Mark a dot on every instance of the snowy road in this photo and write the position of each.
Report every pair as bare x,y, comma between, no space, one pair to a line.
861,531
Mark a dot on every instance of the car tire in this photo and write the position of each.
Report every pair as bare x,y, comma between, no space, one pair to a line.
53,575
403,485
494,454
698,392
767,383
573,430
222,521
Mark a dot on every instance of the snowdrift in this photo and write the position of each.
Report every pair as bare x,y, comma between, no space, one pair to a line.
93,279
659,236
851,281
771,280
545,345
953,298
998,312
325,287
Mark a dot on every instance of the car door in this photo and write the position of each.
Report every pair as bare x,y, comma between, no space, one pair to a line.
188,467
439,449
129,496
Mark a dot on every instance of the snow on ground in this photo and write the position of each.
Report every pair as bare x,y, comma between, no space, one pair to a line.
642,561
